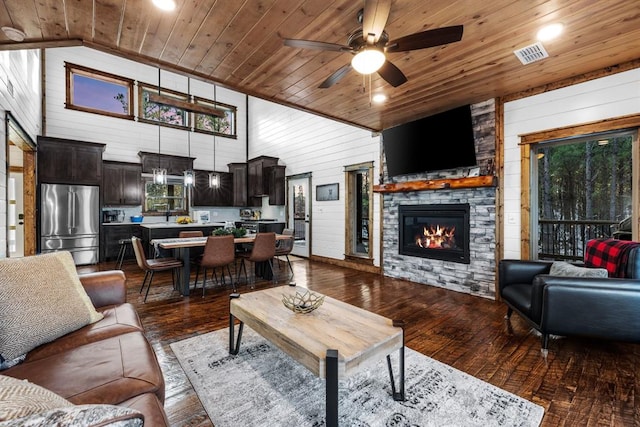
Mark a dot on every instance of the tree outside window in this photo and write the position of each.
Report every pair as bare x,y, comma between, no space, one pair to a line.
584,192
152,112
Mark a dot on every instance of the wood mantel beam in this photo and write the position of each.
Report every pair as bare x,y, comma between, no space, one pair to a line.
184,105
438,184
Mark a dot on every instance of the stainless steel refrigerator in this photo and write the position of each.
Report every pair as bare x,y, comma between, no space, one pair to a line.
69,220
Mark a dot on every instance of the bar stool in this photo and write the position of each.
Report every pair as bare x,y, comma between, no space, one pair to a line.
124,244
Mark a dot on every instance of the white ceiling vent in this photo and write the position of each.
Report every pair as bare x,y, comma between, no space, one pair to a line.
531,53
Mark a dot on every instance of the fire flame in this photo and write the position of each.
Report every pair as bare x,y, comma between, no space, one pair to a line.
436,237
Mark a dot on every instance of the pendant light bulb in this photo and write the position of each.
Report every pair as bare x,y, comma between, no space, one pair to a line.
214,180
188,178
160,175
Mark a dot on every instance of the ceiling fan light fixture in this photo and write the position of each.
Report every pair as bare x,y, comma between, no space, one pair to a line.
167,5
368,60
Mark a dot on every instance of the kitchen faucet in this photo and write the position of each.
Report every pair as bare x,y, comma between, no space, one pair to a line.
167,214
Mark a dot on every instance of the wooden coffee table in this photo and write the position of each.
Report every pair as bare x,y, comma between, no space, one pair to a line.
336,340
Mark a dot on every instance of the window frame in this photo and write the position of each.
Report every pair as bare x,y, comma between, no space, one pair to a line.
142,87
185,199
74,69
351,191
629,122
220,105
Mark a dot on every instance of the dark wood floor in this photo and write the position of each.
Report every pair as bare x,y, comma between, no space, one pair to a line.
581,383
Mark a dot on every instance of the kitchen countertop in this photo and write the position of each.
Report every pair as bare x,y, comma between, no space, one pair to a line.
172,224
176,225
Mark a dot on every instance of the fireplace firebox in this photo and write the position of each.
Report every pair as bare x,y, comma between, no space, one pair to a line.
435,231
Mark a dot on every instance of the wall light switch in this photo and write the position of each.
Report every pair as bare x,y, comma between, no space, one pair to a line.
512,219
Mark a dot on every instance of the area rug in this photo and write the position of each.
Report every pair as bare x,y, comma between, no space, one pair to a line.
262,386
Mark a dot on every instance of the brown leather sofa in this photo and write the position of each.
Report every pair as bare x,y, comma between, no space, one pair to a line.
108,362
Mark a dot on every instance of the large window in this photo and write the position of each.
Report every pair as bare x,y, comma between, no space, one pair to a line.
98,92
584,191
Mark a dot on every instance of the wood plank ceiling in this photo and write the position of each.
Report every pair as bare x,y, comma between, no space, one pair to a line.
239,44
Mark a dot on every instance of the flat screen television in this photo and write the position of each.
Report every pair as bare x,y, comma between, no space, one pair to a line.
438,142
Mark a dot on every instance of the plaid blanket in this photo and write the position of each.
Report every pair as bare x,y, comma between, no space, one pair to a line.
610,254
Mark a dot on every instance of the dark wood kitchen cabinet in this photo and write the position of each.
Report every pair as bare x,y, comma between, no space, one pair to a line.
276,178
175,165
121,184
239,193
111,234
258,175
65,161
203,195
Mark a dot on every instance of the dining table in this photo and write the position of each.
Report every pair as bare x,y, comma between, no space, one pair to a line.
181,247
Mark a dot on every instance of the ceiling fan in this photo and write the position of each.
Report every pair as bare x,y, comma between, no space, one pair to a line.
369,44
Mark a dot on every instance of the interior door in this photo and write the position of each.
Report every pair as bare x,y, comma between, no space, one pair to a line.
15,216
20,195
299,213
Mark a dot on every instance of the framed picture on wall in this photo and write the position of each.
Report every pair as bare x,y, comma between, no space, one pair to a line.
327,192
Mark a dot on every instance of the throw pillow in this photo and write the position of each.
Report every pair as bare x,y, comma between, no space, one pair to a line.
82,415
20,398
26,404
41,299
561,268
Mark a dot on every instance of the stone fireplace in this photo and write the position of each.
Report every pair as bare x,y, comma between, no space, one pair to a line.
439,231
447,266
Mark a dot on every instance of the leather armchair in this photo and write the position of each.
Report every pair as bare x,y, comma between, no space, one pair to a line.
606,308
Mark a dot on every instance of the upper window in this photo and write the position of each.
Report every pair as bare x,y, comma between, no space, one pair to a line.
98,92
222,126
150,111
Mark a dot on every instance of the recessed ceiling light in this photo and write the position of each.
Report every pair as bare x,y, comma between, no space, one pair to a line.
379,98
14,34
165,4
550,32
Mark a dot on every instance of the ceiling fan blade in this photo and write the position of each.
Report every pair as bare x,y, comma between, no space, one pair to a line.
392,74
312,44
376,13
335,77
424,39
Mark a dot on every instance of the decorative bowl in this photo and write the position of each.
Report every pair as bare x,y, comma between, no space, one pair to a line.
136,218
302,303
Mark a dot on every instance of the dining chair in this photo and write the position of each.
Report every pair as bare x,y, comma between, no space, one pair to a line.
219,251
263,251
150,266
284,247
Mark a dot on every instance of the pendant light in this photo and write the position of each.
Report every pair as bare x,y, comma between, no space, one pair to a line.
188,173
214,178
159,173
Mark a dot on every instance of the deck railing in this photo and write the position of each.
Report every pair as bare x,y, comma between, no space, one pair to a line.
560,239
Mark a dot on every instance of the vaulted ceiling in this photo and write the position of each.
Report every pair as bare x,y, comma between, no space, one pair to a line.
239,44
